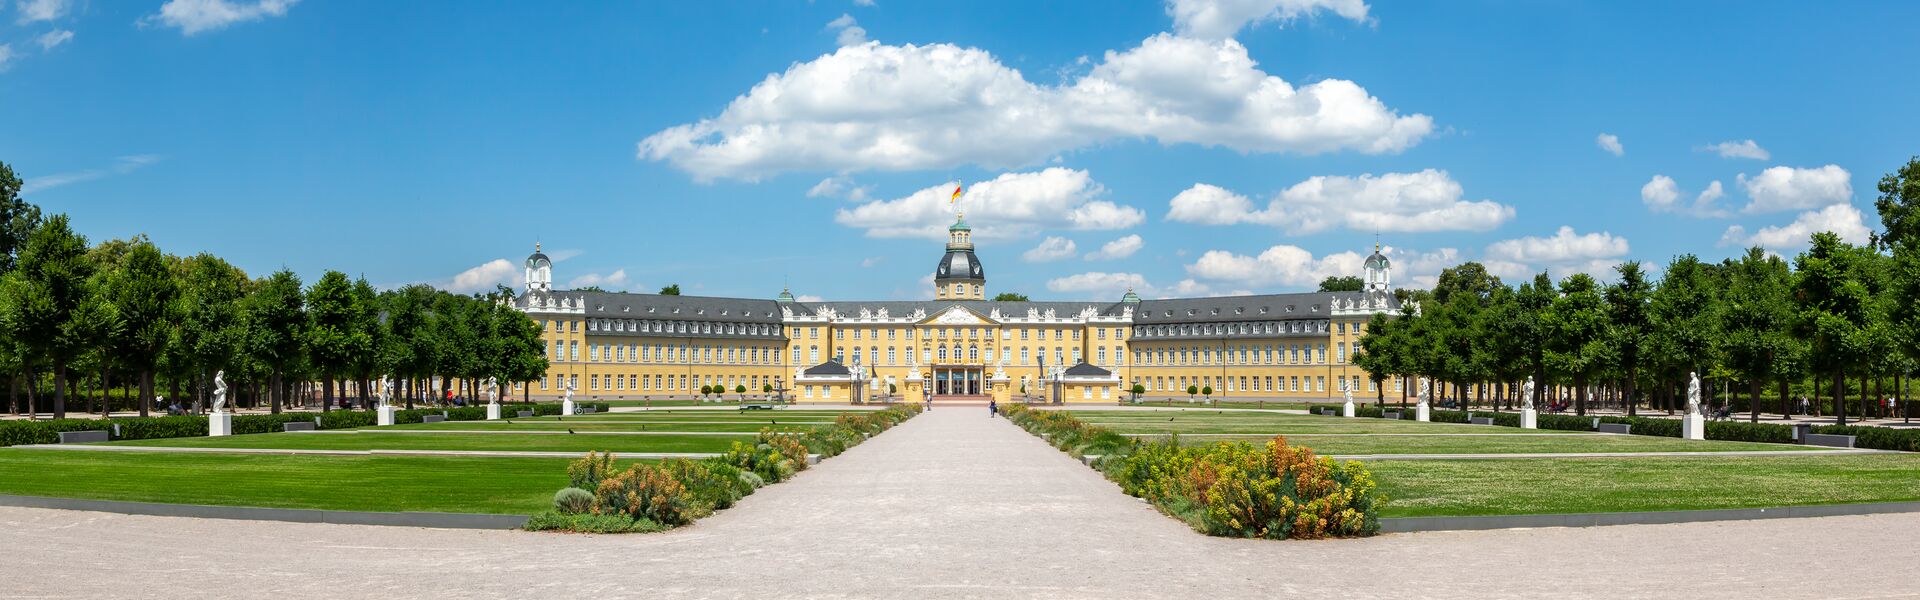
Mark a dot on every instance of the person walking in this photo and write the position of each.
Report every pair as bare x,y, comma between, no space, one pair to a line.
993,408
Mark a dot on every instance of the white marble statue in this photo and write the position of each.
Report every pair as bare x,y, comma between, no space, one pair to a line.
566,393
1526,394
1346,386
493,390
219,391
1425,386
1693,393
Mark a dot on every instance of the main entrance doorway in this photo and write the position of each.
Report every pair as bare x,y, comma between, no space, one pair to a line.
959,381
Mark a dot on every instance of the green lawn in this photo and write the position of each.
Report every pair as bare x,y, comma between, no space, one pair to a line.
367,483
1271,423
1503,444
519,425
458,441
1248,405
1420,488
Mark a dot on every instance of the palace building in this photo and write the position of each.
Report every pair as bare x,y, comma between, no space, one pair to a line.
958,345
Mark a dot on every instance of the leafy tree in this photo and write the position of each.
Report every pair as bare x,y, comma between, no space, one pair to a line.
1459,353
1833,304
1579,322
1138,390
670,290
18,219
1759,320
1899,207
143,290
45,292
1378,352
1192,390
1010,297
590,288
1686,318
1345,283
276,310
365,364
212,324
332,336
1628,318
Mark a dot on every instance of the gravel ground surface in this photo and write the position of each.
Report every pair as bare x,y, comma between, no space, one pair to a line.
949,505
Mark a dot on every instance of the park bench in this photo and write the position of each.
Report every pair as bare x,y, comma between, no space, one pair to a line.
1394,416
297,426
83,437
1829,440
1481,420
524,414
1614,428
433,418
586,410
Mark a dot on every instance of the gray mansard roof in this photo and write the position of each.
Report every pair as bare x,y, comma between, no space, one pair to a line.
1267,307
901,308
707,309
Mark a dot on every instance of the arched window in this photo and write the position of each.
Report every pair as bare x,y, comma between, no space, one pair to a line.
973,353
943,353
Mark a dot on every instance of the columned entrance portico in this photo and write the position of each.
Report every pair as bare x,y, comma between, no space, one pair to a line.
959,381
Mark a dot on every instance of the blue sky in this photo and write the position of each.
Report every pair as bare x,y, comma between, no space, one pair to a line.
1181,148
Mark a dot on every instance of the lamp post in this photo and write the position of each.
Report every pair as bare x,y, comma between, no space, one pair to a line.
857,392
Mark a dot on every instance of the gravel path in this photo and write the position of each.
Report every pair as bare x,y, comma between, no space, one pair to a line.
949,505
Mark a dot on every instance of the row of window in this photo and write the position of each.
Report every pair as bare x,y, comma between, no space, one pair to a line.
971,333
569,350
1283,354
635,382
653,326
1245,383
1255,328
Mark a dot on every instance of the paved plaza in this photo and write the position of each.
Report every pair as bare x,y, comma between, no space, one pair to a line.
950,504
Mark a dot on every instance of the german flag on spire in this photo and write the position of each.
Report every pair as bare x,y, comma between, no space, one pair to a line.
956,194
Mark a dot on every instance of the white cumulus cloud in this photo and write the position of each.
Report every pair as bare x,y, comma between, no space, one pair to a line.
1610,143
839,186
1841,219
879,107
483,278
41,10
850,33
1428,200
1118,249
1739,149
1793,188
1218,19
1662,195
1050,249
1566,251
198,16
1281,265
52,39
614,282
1008,206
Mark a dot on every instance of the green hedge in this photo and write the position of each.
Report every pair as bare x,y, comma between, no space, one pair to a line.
1878,438
17,433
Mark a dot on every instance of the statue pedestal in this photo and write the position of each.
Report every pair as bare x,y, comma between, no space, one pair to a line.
220,424
1421,412
1347,410
1529,418
384,415
566,408
493,411
1693,426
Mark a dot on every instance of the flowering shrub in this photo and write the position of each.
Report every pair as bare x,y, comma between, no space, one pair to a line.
653,497
1234,489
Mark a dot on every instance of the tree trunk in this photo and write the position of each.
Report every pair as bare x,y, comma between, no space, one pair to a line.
60,392
1755,385
278,393
1840,397
1580,395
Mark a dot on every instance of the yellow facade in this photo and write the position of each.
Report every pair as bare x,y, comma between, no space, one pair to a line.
634,346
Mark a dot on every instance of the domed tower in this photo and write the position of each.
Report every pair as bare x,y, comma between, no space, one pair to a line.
539,272
959,276
1378,272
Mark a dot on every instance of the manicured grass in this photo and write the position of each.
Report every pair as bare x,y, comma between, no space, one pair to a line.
1503,444
1418,488
1270,423
458,441
366,483
519,425
1240,404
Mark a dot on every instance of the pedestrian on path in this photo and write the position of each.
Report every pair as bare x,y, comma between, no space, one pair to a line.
993,408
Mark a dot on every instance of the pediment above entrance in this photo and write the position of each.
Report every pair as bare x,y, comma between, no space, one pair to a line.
957,315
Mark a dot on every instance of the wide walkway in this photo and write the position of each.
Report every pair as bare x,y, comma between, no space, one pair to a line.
949,505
